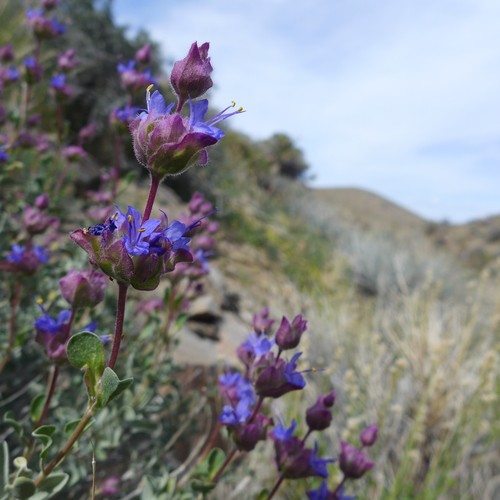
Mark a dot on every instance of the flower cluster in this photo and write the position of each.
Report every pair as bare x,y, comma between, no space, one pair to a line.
134,252
268,375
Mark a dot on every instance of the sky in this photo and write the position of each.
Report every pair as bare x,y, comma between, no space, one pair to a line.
400,97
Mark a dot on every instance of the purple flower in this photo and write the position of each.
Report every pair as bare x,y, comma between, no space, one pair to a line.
261,322
58,83
282,433
323,493
275,377
133,80
4,157
190,77
27,260
235,387
6,53
121,118
35,221
258,345
234,415
33,69
43,27
318,464
74,153
167,143
132,252
53,334
353,462
83,288
9,75
66,61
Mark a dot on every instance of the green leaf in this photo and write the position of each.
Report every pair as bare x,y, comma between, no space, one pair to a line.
10,420
36,407
215,459
44,434
111,387
263,494
54,483
202,486
122,385
23,488
4,466
109,383
85,351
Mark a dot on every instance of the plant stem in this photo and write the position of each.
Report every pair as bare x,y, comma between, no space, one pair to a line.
232,453
16,297
275,487
50,392
67,446
155,182
120,315
115,173
222,468
337,489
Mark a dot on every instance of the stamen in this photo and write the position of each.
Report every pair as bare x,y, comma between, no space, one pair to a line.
39,301
85,230
130,218
141,230
233,104
150,87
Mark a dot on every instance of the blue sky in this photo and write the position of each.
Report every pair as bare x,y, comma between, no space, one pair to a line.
401,97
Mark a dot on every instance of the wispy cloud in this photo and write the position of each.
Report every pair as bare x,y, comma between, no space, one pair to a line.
398,97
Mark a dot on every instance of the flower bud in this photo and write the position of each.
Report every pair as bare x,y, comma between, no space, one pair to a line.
353,462
35,221
369,435
319,416
246,436
6,53
288,335
83,288
190,77
261,322
42,201
143,55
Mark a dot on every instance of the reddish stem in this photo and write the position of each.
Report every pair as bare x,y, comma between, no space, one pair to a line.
227,461
50,393
155,182
275,487
120,315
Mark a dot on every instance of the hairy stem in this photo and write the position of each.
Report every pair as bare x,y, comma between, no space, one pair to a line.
155,182
120,315
87,416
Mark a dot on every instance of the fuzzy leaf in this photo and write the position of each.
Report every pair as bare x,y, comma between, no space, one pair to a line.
36,407
85,350
109,382
52,485
44,434
122,385
23,488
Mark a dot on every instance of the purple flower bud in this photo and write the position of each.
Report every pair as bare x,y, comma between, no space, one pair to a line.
42,201
59,86
86,133
288,335
353,462
261,322
319,416
143,55
83,288
74,153
368,436
110,486
246,436
43,27
33,121
190,77
7,53
133,80
67,61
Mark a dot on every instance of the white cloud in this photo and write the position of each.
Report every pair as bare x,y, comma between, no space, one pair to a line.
397,97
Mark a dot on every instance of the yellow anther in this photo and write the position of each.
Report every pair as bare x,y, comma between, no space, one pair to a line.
150,87
141,230
233,103
130,218
240,109
115,216
85,231
39,301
